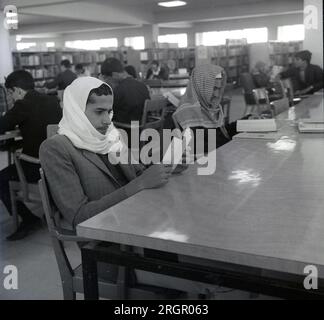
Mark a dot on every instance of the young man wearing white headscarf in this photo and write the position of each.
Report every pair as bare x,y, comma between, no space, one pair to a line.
76,162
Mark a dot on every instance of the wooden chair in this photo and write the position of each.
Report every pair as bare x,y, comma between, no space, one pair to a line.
248,85
153,115
288,88
72,278
280,105
23,191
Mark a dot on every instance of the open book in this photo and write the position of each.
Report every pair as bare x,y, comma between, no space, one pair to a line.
256,125
308,125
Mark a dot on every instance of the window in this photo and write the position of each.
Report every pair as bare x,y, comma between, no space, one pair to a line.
25,45
136,43
50,44
216,38
92,44
291,33
181,39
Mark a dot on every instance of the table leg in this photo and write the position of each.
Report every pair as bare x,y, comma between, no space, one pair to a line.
90,274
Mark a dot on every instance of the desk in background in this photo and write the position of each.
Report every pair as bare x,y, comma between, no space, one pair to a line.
262,210
10,135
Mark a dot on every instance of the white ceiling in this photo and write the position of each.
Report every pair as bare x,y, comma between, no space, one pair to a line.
64,16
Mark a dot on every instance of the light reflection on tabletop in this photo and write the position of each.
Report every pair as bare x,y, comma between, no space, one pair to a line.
246,176
283,144
169,234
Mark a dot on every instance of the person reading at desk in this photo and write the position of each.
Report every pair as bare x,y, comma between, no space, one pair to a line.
157,72
82,180
129,93
307,78
32,112
200,107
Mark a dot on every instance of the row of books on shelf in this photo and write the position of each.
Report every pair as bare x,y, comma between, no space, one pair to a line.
281,60
35,59
43,73
163,54
31,60
285,47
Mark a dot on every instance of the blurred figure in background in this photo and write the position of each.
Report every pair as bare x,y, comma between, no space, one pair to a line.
131,71
157,72
129,93
80,71
261,75
32,112
306,77
64,78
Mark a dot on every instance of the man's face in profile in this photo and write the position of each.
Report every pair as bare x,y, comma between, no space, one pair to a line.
99,112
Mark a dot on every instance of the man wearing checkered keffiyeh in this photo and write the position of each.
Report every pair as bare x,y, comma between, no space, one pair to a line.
200,107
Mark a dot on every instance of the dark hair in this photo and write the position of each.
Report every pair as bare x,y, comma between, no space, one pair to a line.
131,71
103,90
155,62
66,63
111,65
304,55
21,79
79,66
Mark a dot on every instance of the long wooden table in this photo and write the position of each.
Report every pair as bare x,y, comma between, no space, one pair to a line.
263,209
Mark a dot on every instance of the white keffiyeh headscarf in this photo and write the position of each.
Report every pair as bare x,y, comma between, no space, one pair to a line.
75,124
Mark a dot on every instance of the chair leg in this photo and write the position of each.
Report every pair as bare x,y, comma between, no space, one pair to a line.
68,293
13,204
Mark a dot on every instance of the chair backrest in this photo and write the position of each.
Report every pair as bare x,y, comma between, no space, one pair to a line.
154,113
18,156
52,218
288,88
52,130
247,82
3,100
262,101
280,105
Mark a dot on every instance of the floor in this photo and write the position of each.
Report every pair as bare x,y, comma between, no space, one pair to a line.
38,276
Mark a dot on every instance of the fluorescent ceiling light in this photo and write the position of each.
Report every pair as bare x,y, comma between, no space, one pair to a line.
170,4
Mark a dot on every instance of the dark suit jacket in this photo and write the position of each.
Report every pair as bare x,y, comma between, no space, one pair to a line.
313,77
129,99
80,183
32,115
62,80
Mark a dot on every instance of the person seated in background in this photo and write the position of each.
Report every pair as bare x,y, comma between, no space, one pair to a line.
306,77
131,71
32,112
64,78
261,76
200,107
82,180
157,72
79,70
129,93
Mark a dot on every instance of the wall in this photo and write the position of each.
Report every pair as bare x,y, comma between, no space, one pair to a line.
314,33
